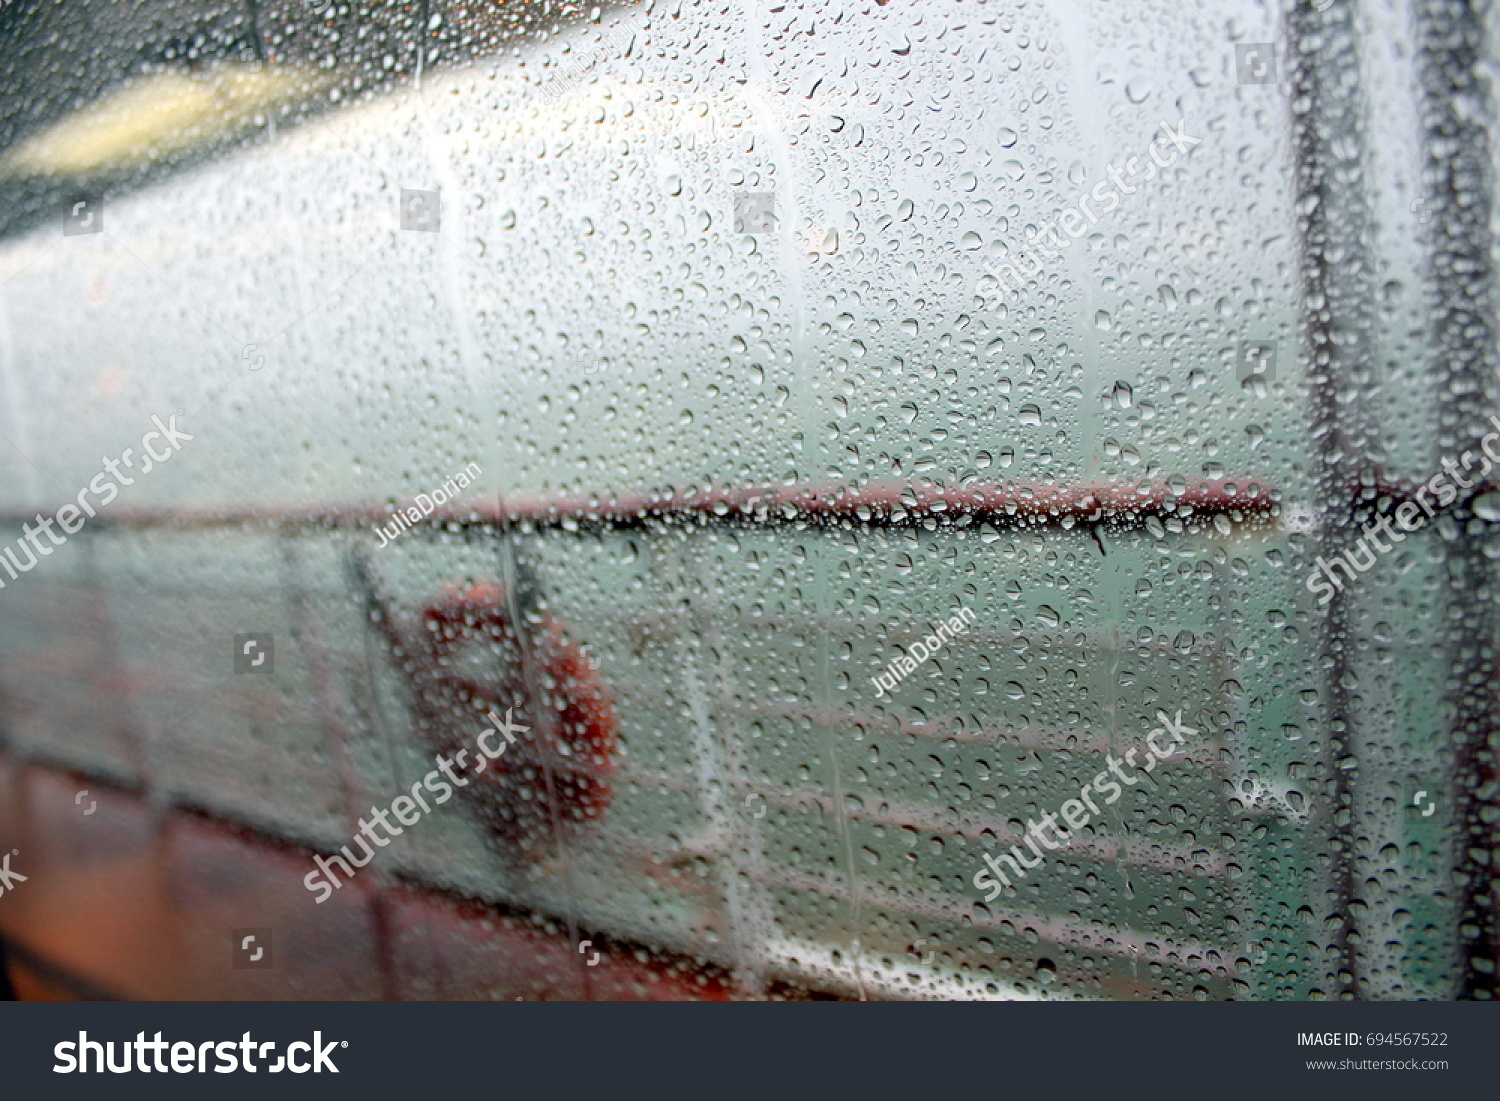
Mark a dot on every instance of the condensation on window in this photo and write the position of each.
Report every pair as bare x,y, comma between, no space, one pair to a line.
882,500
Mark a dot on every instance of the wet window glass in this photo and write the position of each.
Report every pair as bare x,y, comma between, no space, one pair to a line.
875,500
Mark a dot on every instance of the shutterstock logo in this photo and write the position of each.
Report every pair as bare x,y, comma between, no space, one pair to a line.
8,878
187,1058
105,487
255,653
252,948
1027,260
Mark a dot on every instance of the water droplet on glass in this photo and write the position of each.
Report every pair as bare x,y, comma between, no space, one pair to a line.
1487,506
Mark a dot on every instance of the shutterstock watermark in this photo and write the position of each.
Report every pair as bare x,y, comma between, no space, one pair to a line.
440,496
192,1058
901,666
105,486
404,807
421,210
1408,516
1076,219
1074,809
755,212
8,878
84,216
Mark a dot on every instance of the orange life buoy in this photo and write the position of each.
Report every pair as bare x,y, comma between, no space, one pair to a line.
467,659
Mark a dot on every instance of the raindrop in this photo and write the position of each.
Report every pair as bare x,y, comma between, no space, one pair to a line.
1487,506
